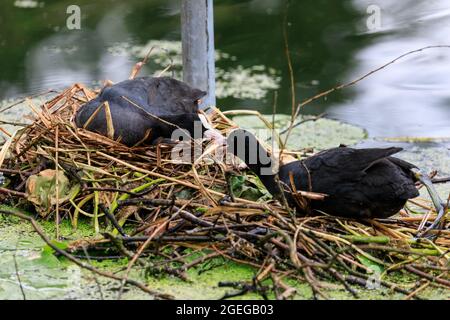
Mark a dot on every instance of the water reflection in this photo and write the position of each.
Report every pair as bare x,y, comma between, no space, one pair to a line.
412,96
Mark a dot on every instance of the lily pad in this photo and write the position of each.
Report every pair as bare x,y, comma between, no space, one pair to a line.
321,134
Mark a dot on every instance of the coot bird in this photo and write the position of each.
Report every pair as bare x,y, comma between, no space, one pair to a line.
356,183
143,110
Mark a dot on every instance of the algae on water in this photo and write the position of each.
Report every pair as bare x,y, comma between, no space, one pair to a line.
321,134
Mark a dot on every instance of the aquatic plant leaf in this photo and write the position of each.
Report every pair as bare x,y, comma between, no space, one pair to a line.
321,134
375,267
47,254
237,182
260,186
58,244
245,188
48,259
41,190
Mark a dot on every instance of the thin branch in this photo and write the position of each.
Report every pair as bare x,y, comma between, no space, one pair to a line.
16,268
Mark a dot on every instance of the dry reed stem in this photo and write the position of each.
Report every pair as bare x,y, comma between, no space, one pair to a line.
115,178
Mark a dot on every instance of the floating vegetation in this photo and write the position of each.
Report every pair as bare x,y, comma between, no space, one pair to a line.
28,4
317,133
246,83
238,82
55,49
167,217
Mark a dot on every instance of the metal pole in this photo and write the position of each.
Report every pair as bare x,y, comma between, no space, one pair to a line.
197,35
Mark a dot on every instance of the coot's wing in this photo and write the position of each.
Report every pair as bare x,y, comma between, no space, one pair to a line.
406,166
351,160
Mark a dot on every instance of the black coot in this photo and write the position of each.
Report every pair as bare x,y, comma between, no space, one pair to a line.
358,183
143,110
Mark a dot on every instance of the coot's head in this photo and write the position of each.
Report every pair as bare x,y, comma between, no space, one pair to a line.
171,88
244,145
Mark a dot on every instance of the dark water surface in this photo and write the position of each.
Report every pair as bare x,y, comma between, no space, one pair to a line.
330,43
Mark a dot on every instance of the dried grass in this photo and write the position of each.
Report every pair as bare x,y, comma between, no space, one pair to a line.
116,186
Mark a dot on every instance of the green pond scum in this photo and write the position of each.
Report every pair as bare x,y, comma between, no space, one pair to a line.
45,276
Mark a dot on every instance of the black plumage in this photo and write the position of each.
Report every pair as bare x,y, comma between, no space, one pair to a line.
143,109
358,183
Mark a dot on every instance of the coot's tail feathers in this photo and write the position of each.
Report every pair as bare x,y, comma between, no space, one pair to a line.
373,156
406,166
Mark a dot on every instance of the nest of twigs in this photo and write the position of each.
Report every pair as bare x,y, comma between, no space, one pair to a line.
144,204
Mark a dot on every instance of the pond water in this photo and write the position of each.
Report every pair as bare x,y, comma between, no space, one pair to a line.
29,271
331,43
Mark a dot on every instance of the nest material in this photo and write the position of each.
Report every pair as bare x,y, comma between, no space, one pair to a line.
175,210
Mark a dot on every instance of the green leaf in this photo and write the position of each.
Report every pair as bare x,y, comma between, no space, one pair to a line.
48,259
60,245
237,182
375,267
47,255
46,189
244,187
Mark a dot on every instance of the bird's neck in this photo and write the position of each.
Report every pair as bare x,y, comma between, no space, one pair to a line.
270,182
246,146
265,167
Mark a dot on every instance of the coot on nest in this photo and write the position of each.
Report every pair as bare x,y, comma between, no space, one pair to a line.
143,110
356,183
